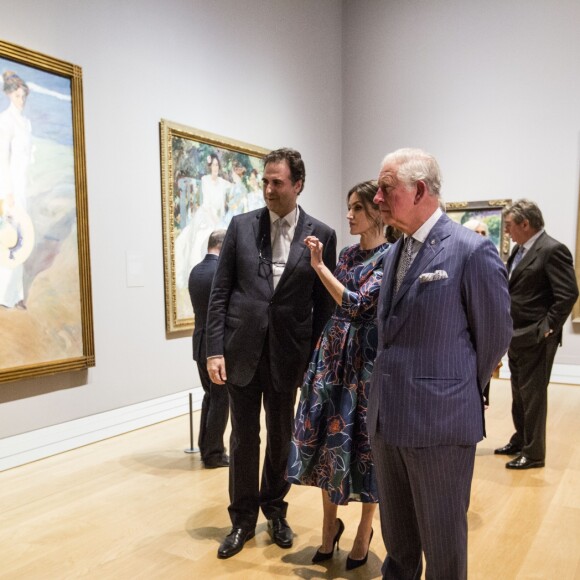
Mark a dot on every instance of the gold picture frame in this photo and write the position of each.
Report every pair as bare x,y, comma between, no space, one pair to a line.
206,179
45,292
490,213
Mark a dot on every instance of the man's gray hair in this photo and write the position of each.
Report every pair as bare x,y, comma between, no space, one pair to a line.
416,165
524,209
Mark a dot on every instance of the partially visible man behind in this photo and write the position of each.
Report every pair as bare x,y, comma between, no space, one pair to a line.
543,290
214,407
444,324
481,229
267,309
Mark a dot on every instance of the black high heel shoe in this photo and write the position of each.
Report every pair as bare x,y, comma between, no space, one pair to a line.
321,556
352,564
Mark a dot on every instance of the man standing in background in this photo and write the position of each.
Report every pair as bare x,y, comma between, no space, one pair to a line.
267,309
215,404
443,324
543,290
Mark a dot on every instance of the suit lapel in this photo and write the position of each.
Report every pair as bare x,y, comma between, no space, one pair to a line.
389,272
432,245
528,258
264,246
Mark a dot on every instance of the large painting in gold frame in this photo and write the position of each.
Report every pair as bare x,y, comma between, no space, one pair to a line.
45,282
206,179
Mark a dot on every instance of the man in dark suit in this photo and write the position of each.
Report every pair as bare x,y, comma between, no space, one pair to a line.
266,311
215,404
444,323
543,290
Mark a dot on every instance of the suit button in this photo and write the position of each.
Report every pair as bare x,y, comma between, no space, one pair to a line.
387,346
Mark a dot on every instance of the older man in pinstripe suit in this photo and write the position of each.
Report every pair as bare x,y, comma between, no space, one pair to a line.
444,323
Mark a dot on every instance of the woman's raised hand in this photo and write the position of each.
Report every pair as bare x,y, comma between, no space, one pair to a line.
315,246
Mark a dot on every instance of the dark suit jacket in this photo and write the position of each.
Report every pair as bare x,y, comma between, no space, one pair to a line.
200,280
543,290
245,309
439,341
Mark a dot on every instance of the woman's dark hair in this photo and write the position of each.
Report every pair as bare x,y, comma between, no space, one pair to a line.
366,191
213,156
392,234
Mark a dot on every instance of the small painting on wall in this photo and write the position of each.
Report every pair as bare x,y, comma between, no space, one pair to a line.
484,217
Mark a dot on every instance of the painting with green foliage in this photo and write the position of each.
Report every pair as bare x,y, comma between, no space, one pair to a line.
206,180
488,213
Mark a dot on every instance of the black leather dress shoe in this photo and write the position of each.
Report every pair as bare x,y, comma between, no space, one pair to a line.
234,542
223,461
523,462
509,449
280,532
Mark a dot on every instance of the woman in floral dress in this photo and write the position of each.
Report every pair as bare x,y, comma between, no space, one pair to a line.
330,446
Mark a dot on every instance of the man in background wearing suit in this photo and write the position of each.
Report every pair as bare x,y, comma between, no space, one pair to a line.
266,311
444,323
215,405
543,290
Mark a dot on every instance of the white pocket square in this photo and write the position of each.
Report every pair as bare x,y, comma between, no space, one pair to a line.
433,276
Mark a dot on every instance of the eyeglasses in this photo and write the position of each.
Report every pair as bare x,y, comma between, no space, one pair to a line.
265,261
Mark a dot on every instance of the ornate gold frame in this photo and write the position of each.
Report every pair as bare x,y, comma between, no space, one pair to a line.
73,73
493,206
177,303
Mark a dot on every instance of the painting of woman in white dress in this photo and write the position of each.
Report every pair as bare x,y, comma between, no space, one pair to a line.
208,180
15,157
43,295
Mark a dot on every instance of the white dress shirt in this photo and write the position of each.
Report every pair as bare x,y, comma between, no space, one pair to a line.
281,244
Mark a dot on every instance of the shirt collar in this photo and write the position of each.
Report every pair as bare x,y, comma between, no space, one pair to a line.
532,240
291,218
421,234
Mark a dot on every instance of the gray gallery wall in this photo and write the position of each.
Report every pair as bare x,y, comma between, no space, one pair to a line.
263,72
491,88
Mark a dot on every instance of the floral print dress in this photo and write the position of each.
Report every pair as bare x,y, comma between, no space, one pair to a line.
330,445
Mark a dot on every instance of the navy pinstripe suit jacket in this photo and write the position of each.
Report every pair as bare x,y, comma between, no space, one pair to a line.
439,341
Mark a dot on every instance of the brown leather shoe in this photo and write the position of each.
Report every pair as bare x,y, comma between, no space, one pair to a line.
522,462
234,542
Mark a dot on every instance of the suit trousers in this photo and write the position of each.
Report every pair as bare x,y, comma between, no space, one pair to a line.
247,494
530,368
214,417
424,496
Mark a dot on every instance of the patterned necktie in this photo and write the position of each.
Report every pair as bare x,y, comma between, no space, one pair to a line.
404,262
517,258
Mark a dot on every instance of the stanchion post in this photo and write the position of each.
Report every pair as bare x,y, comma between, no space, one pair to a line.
191,449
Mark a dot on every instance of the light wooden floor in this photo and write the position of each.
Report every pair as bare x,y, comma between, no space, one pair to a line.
137,506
